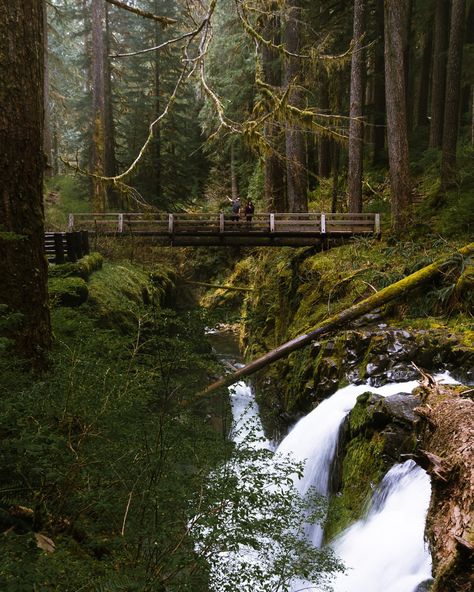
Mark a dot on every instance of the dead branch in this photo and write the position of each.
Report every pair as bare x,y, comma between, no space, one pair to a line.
163,20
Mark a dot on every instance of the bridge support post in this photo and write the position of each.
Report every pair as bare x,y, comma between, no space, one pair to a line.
221,222
170,223
377,224
58,248
70,224
272,222
120,223
71,247
323,223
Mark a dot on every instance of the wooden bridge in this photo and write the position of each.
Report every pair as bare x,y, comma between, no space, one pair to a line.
219,229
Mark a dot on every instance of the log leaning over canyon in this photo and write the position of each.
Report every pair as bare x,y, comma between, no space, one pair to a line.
381,298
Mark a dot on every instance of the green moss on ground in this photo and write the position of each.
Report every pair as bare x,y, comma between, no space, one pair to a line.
82,268
67,291
119,291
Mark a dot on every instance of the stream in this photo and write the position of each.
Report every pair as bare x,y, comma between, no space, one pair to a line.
385,550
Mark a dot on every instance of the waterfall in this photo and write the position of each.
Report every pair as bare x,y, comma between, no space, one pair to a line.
386,549
314,438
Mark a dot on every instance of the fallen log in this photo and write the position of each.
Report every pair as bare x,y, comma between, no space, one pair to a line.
220,286
381,298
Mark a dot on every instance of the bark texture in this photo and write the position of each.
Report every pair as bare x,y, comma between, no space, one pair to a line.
103,150
438,80
356,125
379,89
453,92
296,172
274,170
447,443
397,135
23,267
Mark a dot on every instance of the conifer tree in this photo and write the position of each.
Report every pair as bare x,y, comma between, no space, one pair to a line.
23,267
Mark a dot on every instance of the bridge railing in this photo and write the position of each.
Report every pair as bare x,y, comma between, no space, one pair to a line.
222,223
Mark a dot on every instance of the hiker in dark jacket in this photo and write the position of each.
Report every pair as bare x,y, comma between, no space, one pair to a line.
249,210
235,205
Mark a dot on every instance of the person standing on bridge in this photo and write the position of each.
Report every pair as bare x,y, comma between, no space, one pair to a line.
235,205
249,210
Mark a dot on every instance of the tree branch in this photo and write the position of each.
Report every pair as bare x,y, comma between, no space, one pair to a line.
163,20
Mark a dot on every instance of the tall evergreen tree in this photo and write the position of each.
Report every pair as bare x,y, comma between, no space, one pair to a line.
356,125
296,167
23,266
397,132
453,91
438,78
274,171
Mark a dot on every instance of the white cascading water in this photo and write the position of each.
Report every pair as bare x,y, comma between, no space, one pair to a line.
314,438
385,551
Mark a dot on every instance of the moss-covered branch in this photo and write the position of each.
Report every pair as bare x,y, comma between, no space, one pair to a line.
388,294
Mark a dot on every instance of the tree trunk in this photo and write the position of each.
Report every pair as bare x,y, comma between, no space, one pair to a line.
47,138
453,90
446,451
379,89
274,170
397,138
424,78
23,267
157,129
103,150
110,163
233,173
397,290
324,143
409,62
472,116
438,79
356,125
296,173
336,158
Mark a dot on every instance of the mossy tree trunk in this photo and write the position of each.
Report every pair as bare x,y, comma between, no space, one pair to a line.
274,170
23,267
447,451
296,170
103,149
393,292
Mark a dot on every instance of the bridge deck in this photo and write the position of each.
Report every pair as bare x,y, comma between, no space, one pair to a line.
181,229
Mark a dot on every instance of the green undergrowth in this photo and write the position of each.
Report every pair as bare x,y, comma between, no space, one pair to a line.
102,455
63,195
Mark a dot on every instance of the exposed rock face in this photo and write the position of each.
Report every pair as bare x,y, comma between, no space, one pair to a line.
377,356
447,437
378,432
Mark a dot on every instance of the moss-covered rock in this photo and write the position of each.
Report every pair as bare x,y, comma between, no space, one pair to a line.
67,291
82,268
119,292
377,433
